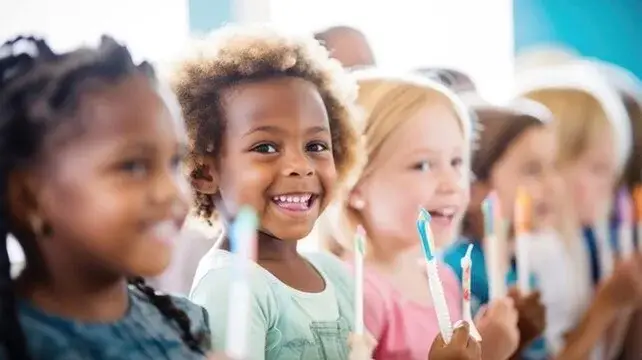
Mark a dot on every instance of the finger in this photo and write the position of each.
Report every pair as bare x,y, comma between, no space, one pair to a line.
534,297
514,292
461,334
474,348
438,342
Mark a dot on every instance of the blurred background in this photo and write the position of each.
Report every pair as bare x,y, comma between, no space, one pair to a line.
486,39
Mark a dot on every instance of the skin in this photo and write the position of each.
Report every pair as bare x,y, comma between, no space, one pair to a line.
349,46
277,142
428,165
103,190
591,178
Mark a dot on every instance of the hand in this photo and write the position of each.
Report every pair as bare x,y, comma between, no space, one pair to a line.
461,347
531,316
497,325
361,346
624,287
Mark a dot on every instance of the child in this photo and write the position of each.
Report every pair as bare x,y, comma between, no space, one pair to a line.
94,194
593,142
630,91
417,144
514,150
270,124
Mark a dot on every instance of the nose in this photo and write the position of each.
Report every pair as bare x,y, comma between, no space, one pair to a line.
298,164
449,180
171,191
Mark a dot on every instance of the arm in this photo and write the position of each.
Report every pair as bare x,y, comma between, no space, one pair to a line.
212,292
595,322
632,345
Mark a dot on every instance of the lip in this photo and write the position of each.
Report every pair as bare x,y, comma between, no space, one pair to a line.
164,232
295,204
443,216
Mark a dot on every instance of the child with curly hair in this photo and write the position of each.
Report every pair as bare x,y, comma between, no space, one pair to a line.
269,119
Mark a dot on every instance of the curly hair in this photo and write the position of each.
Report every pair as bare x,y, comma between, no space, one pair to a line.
39,89
235,55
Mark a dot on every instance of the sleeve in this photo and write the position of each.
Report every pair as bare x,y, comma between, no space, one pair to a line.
375,308
213,293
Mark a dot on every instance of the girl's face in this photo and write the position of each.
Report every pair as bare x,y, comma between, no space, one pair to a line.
113,193
276,155
529,163
422,165
591,178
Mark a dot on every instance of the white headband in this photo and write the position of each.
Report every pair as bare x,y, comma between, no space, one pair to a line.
621,79
422,81
583,76
519,106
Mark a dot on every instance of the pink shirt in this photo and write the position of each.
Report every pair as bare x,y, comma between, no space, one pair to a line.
403,328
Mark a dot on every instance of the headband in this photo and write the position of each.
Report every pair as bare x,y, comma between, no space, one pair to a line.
585,77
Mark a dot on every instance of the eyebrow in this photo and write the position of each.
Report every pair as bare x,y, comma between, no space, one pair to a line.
277,130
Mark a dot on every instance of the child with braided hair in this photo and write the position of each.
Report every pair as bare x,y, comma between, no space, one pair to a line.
92,189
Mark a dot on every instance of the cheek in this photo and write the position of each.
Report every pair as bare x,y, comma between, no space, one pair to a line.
245,184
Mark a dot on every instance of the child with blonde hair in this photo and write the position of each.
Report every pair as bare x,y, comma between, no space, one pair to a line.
418,136
593,136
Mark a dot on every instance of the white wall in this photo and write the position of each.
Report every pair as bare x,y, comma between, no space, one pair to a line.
151,31
475,36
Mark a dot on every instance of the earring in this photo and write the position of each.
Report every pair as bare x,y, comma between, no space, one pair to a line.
39,227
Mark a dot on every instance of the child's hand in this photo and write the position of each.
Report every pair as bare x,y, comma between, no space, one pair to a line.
461,347
361,346
531,316
624,287
497,325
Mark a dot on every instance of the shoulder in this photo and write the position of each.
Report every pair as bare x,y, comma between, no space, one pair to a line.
332,267
214,281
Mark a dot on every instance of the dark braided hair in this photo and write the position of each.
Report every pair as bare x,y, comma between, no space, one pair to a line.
38,90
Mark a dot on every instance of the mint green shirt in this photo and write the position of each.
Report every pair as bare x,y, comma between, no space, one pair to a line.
285,323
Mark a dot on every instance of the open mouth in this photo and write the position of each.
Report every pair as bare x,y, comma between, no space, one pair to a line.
295,201
443,215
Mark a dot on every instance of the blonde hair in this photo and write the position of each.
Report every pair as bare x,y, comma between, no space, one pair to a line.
388,101
581,119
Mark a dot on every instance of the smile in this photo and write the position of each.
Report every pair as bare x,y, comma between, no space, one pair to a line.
297,202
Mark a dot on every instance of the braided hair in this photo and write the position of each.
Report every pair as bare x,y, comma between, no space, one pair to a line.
39,89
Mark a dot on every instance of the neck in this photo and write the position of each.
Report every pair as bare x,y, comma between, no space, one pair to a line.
76,293
270,248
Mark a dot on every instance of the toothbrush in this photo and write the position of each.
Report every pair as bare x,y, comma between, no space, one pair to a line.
625,223
495,248
243,246
522,232
434,282
637,199
466,269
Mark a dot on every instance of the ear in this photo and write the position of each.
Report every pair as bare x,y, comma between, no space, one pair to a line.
205,178
22,194
356,199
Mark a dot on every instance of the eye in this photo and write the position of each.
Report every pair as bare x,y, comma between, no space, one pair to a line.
317,147
457,162
135,167
423,166
265,148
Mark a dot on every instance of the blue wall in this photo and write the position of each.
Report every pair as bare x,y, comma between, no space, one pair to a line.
610,30
207,15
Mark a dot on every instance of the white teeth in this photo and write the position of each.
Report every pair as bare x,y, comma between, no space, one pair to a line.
293,198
